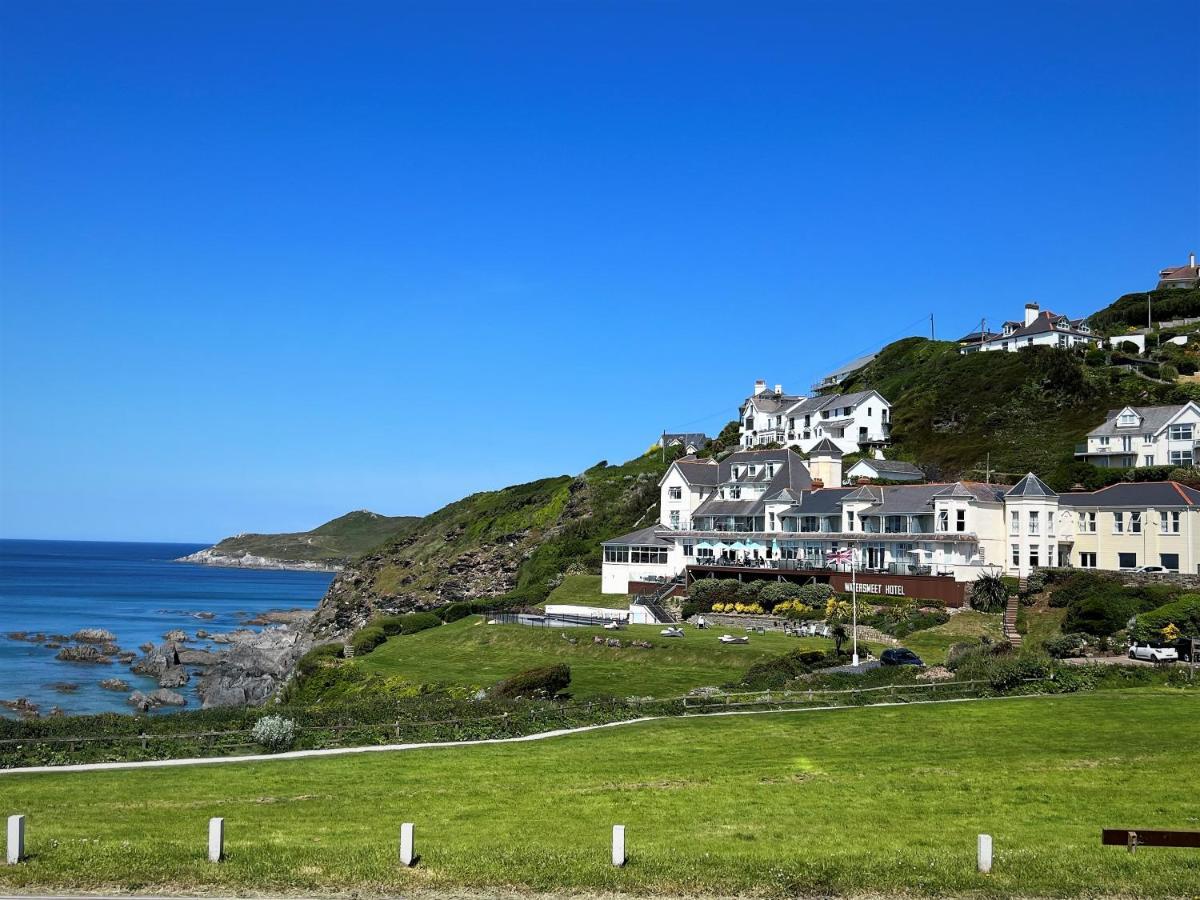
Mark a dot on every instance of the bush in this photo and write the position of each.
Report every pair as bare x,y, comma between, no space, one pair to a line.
274,733
452,612
367,639
779,670
1183,613
776,592
545,681
410,623
317,658
989,594
1065,645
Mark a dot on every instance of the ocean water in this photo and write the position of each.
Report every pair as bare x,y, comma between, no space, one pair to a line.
135,591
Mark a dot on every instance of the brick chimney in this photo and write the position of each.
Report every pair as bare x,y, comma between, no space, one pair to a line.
817,484
759,387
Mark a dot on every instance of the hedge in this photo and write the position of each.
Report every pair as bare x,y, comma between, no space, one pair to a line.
1183,613
367,639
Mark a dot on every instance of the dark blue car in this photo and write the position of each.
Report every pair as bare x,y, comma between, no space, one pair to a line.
900,656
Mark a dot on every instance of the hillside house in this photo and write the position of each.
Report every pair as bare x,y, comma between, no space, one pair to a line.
1180,276
853,422
1040,328
1139,436
692,442
883,470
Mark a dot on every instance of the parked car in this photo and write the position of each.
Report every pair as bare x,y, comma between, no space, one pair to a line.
1183,647
900,656
1151,569
1151,653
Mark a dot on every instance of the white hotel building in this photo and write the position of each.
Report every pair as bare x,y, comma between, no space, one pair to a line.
770,509
853,422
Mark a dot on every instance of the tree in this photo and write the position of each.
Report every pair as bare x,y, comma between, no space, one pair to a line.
840,634
989,593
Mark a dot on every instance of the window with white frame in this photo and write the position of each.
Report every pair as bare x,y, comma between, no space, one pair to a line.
1135,522
1147,438
1182,458
1016,555
1148,460
675,493
1087,522
1118,523
960,520
616,554
704,553
1034,556
1127,420
943,521
1015,523
674,518
1103,441
648,555
1180,433
1087,560
1035,524
1168,522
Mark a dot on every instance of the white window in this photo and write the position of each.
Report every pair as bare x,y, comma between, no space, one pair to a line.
1147,438
943,521
704,553
1087,522
735,493
1135,522
771,520
1016,555
1127,420
1168,522
1181,457
674,518
849,520
1015,526
1180,433
689,549
1034,557
1147,460
1103,441
648,555
1087,560
616,554
1118,523
1034,521
675,493
960,520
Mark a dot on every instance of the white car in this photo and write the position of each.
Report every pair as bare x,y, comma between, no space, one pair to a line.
1153,654
1151,569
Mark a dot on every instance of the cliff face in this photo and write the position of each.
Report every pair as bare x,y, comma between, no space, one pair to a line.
516,540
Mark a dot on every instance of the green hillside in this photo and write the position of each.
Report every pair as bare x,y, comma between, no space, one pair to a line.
1130,310
1027,410
518,540
335,543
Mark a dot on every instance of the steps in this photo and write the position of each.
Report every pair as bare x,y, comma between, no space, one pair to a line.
1010,619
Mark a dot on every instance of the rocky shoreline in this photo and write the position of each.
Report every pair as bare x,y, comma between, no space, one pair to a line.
243,667
212,557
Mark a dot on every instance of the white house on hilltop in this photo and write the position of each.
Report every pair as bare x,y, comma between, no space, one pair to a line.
1144,436
1041,328
853,422
1180,276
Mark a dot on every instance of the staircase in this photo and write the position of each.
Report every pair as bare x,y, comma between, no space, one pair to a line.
1010,619
653,602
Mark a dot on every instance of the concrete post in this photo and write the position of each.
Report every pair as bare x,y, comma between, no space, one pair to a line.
16,839
407,857
618,845
985,853
216,839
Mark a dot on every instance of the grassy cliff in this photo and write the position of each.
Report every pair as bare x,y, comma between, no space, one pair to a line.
334,543
1027,409
517,540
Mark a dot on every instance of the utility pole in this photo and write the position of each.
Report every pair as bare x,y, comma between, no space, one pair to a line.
1149,320
932,333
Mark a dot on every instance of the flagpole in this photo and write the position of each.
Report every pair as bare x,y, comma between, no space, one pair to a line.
854,606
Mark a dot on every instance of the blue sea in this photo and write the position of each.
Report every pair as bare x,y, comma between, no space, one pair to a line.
135,591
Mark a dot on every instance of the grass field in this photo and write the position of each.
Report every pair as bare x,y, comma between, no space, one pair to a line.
879,801
584,590
469,652
932,644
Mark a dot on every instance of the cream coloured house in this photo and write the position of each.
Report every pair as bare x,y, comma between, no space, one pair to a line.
1139,436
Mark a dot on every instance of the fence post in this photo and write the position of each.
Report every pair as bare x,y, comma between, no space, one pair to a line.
216,839
16,839
407,857
985,853
618,845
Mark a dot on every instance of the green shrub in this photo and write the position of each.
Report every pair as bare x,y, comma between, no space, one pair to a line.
1065,645
317,658
545,681
1183,613
776,592
452,612
391,625
989,593
779,670
367,639
409,623
274,733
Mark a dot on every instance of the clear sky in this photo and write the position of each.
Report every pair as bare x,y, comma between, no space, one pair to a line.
264,263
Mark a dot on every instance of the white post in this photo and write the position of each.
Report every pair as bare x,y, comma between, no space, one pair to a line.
216,839
618,845
985,853
16,839
854,604
406,844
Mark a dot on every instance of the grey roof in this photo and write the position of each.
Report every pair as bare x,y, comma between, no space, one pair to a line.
889,466
1153,419
823,502
853,366
771,402
984,492
697,472
825,447
697,439
1031,486
644,536
715,506
902,499
1157,494
1043,324
870,493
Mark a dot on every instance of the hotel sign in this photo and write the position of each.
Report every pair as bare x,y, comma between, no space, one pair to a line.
892,590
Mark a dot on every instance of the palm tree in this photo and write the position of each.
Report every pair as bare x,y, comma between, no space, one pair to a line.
989,593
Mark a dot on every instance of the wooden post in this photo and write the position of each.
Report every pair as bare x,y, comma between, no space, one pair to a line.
1131,841
407,857
618,845
985,853
16,839
216,839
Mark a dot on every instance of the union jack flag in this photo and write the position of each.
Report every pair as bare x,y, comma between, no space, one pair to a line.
839,556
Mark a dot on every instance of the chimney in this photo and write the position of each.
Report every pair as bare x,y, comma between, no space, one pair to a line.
759,387
817,484
779,388
1031,312
1192,260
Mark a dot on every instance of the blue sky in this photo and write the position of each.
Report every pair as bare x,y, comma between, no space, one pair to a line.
263,263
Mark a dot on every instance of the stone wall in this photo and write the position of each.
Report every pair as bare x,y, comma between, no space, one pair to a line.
1133,579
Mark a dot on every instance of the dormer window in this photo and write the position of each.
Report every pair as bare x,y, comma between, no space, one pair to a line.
753,469
1127,419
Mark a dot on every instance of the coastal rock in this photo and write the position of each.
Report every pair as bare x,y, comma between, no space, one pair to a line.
201,634
93,636
175,676
280,617
157,661
176,636
146,647
114,684
22,705
189,657
84,653
211,557
251,670
205,615
160,697
65,687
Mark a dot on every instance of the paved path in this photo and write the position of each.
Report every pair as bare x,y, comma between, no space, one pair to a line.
434,745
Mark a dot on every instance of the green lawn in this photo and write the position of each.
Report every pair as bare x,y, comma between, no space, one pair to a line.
1037,624
469,652
878,801
932,644
584,590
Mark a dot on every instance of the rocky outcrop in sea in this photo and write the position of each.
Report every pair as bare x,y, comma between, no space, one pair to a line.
212,557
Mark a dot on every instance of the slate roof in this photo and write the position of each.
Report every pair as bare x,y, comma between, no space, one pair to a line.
1031,486
644,536
697,472
906,499
697,439
715,506
1157,494
823,502
826,447
853,366
1153,419
975,337
1179,273
890,467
